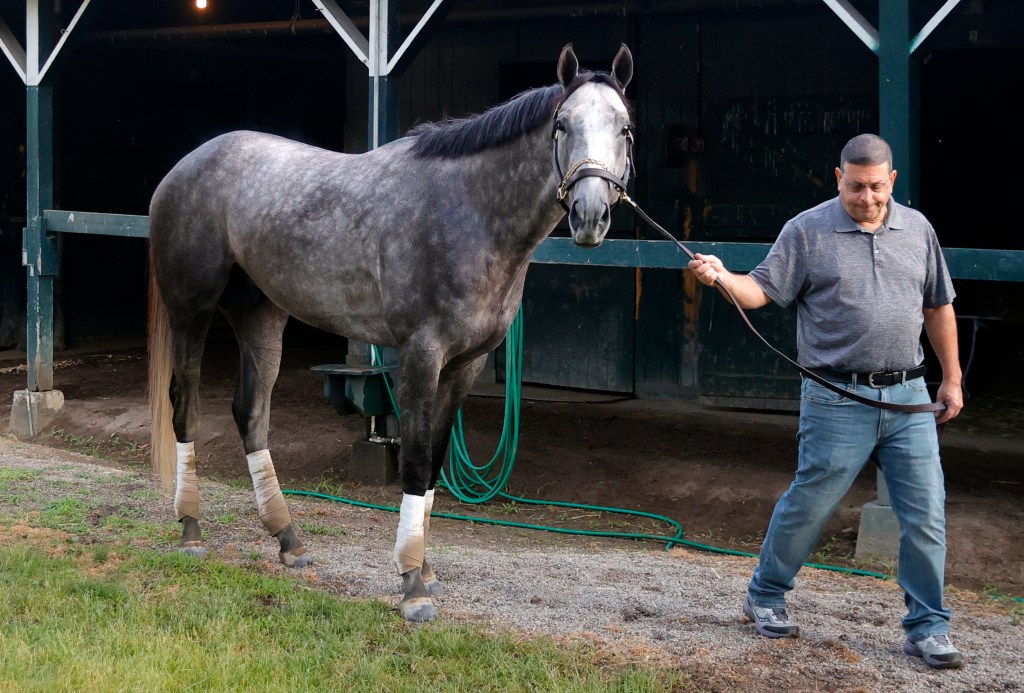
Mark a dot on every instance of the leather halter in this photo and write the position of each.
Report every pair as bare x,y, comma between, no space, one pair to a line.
587,168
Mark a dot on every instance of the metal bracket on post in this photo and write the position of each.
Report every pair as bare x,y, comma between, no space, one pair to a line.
364,389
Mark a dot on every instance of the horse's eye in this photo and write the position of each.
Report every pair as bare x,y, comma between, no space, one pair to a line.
627,131
560,126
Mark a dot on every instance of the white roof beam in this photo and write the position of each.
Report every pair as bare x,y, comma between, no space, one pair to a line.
856,22
346,29
420,26
12,49
63,38
929,27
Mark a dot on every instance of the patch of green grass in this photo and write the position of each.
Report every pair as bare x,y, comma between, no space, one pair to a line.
68,515
132,529
147,494
227,518
131,620
8,474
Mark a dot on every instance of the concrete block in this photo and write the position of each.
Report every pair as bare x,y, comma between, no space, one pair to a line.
373,463
32,412
879,533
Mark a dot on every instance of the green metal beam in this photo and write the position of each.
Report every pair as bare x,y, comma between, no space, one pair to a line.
898,113
97,224
964,263
40,253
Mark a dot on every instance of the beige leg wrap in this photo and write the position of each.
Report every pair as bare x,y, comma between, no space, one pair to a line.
269,499
411,542
186,488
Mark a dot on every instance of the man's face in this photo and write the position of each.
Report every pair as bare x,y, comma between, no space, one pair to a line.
865,191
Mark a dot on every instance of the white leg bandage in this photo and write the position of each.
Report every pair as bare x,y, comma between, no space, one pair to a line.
411,541
428,506
186,488
269,499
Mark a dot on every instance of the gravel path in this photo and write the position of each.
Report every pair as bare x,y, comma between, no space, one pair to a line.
681,607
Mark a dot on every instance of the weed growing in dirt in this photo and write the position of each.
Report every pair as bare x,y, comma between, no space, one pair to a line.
322,530
1016,607
112,449
828,553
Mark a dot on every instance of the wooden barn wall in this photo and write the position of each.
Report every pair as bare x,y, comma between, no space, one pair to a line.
12,207
774,121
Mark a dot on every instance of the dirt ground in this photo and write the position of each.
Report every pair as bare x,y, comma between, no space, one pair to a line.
716,472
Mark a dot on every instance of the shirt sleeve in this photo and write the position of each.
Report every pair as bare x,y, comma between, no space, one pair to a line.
783,272
938,287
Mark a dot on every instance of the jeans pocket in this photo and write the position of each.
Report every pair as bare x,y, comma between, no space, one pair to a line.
812,391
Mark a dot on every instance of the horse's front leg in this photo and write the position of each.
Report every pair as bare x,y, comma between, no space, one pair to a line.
454,385
419,378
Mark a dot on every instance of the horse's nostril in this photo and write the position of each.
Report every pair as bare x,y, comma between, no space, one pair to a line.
606,217
574,216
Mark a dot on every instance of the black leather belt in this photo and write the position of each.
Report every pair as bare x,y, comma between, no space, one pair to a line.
878,379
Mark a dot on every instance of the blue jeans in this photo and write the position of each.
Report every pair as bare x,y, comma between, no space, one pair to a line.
836,438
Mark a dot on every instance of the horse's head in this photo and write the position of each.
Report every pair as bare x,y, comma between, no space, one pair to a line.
593,139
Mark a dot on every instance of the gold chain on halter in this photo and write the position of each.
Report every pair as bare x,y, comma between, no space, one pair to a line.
562,190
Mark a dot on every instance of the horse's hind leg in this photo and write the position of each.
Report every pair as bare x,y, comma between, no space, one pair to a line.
259,327
189,340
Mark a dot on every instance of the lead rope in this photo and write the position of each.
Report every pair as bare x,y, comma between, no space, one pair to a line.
913,408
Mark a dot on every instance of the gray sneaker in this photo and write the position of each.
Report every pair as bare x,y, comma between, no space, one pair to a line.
936,651
770,621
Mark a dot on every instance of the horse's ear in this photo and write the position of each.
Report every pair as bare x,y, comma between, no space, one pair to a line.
568,65
622,66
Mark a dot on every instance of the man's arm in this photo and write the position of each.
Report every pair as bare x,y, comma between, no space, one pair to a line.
940,324
708,268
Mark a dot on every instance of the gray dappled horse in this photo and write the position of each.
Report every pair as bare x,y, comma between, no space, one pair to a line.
421,245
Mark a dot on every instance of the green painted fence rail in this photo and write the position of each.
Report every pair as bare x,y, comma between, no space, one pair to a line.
97,224
964,263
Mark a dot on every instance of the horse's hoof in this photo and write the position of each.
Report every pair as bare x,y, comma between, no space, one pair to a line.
434,587
418,610
299,558
193,548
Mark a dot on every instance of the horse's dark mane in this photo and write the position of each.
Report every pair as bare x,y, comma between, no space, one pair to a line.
456,137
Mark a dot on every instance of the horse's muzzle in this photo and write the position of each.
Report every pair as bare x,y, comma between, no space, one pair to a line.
589,223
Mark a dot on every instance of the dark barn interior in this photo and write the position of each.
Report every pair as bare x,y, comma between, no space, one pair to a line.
742,108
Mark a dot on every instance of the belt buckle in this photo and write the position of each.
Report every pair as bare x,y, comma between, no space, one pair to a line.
871,379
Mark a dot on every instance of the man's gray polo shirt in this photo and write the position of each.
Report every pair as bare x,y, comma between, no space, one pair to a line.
859,295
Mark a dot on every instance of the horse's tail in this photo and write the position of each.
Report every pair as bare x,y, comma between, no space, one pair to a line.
161,436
